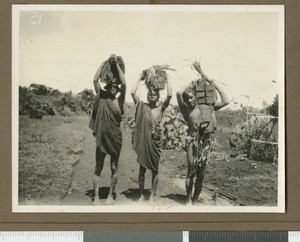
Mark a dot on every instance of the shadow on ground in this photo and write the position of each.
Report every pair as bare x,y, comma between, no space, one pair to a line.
134,194
103,193
179,198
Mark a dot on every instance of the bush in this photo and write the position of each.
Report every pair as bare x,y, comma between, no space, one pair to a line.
38,89
174,130
273,108
39,100
257,139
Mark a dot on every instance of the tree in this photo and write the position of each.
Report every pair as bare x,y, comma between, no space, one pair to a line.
38,89
273,108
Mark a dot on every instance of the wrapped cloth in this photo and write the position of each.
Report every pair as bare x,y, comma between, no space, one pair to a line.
108,72
105,123
146,138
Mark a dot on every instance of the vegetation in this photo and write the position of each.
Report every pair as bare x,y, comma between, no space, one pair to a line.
244,137
39,100
50,150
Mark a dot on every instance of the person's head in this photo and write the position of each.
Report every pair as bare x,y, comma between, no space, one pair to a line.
112,89
189,98
153,95
113,64
112,59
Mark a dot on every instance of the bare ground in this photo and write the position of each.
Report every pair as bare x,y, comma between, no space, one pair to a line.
57,159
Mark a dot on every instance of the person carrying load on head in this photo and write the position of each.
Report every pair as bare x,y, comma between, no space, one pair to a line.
146,138
197,102
106,120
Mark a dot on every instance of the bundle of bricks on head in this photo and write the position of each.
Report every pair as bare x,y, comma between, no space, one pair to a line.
156,76
205,90
109,72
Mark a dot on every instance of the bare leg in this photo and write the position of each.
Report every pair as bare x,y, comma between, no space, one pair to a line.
154,186
201,169
114,179
142,182
100,156
199,183
190,174
96,181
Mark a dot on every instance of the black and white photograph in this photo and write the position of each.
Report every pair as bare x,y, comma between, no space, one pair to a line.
148,108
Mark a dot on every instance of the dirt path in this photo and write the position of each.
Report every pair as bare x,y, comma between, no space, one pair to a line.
170,191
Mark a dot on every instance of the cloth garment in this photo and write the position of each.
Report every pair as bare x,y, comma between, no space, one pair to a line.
202,149
105,123
146,138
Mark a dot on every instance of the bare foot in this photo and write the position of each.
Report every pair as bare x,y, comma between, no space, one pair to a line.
189,203
198,201
151,200
96,202
109,200
141,199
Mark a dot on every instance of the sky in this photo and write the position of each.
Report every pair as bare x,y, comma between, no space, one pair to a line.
241,48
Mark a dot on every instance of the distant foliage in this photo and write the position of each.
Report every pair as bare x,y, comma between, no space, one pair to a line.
87,94
230,118
38,89
174,130
258,138
39,100
264,152
273,108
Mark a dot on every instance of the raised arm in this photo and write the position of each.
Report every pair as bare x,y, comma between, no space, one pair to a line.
97,85
180,102
123,84
169,95
224,99
134,90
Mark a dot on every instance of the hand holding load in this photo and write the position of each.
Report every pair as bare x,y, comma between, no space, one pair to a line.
204,88
109,71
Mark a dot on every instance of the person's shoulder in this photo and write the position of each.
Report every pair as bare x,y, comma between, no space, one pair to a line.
160,107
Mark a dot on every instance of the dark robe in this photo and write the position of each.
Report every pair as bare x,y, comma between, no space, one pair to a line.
105,123
146,137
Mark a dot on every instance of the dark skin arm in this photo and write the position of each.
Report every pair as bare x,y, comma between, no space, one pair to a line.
123,84
180,102
224,99
97,85
166,102
134,90
182,106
